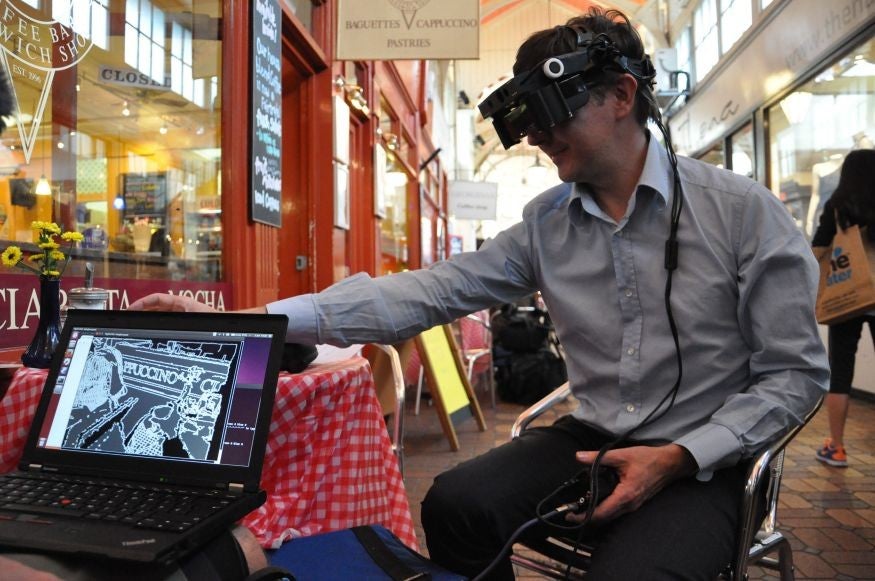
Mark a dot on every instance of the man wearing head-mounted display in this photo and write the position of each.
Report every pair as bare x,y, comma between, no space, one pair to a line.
683,296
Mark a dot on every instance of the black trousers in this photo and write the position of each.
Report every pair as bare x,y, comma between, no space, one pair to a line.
843,340
686,531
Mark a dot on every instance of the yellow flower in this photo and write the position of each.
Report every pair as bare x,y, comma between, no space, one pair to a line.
49,262
11,256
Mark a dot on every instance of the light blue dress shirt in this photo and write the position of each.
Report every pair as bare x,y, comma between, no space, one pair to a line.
742,296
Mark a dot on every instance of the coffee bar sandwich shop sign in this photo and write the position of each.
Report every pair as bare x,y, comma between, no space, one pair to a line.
408,29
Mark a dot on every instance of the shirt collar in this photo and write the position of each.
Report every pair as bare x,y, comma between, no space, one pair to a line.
656,176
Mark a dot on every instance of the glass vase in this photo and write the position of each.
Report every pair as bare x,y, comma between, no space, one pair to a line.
48,332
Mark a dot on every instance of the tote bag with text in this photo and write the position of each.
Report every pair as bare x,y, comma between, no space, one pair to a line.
846,286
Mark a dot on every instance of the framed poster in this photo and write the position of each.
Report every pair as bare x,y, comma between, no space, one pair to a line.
265,178
341,196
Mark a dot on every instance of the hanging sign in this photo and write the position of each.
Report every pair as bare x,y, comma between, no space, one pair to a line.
265,181
473,200
408,29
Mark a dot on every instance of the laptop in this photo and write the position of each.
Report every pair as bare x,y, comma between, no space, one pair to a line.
149,436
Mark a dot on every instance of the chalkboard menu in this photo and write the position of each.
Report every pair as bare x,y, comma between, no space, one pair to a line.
145,194
266,123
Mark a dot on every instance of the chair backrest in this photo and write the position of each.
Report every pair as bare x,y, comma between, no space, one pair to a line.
474,331
389,382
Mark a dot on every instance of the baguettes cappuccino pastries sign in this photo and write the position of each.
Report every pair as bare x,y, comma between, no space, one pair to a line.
408,29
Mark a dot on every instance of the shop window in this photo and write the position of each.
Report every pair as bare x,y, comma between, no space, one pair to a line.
144,38
390,205
303,11
741,152
714,156
90,19
735,19
705,37
131,162
682,49
814,127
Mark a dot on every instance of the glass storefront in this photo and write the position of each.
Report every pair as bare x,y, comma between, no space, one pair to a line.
812,129
391,193
741,151
117,133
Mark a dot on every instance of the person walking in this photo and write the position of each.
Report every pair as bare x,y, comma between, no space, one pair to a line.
852,203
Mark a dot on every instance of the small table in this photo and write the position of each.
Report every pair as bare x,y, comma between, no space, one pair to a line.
328,465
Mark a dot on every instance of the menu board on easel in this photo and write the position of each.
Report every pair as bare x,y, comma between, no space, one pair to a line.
453,396
266,120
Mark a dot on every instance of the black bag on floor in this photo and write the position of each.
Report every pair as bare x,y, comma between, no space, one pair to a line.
519,331
530,376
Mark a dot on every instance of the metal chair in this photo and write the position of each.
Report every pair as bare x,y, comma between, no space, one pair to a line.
389,382
758,538
475,341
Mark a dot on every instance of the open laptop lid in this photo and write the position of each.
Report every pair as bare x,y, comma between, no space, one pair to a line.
169,397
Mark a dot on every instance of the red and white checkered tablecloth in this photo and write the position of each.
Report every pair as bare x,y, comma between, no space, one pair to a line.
328,463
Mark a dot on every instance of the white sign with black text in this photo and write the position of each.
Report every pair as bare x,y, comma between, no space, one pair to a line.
473,200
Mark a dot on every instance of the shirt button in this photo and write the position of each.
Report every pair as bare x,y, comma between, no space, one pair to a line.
630,408
630,351
628,292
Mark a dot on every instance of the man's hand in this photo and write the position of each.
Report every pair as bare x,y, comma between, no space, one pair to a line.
12,570
643,471
166,302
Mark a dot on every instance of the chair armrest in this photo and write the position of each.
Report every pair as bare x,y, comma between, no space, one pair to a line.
766,468
539,407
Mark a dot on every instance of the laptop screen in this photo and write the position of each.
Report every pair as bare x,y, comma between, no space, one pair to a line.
186,396
160,396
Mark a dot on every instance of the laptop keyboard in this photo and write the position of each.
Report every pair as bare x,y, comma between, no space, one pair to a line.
137,504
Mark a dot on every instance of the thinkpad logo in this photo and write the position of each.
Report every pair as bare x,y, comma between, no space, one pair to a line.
138,542
408,9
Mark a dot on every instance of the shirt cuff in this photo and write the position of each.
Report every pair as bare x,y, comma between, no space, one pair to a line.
712,446
301,311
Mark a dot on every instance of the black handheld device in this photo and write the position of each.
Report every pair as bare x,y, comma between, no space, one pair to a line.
605,482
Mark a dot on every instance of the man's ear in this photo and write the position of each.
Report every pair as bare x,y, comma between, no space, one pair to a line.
625,91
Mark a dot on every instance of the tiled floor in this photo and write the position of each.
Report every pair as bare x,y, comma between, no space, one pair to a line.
828,513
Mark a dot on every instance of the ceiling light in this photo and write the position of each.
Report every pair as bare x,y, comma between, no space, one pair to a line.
125,111
43,188
119,202
162,130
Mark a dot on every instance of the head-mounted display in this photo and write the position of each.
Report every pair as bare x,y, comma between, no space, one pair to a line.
551,92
